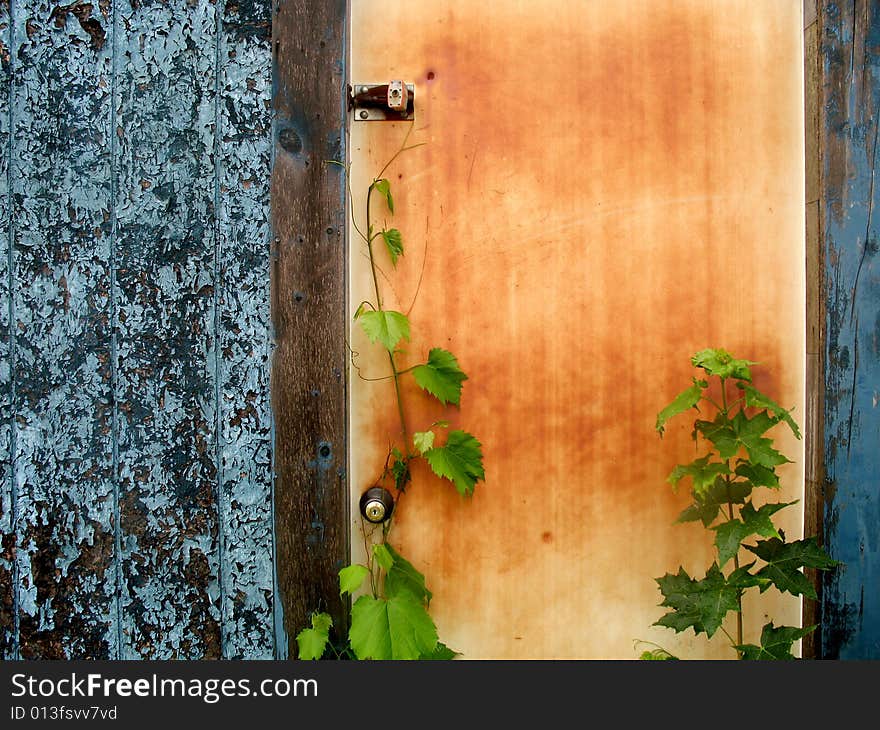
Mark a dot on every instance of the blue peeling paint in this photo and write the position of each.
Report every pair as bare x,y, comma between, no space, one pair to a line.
136,503
851,597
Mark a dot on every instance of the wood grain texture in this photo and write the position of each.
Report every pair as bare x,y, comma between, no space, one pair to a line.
62,327
815,314
606,189
308,309
849,128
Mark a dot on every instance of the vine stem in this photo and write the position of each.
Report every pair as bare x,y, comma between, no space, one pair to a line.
739,614
394,371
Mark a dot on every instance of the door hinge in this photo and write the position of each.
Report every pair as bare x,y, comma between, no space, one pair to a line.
391,102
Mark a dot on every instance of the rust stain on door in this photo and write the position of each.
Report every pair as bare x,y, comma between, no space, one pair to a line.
606,188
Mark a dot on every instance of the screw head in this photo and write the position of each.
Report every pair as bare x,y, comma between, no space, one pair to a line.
364,114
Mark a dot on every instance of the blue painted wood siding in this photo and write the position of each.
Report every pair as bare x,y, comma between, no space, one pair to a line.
850,57
135,334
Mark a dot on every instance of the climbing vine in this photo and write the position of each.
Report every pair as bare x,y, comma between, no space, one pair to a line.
390,616
739,459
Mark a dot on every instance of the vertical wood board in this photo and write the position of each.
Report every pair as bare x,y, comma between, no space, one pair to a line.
849,128
135,331
308,309
61,301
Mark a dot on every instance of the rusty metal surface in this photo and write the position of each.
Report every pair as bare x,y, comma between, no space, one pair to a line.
606,188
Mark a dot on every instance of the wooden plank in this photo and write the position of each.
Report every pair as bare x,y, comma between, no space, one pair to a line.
308,309
244,151
849,129
815,319
8,608
168,343
580,244
62,286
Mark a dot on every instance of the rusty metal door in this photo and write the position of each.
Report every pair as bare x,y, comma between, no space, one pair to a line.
605,189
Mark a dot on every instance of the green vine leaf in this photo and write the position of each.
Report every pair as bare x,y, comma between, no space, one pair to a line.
700,605
749,432
756,399
312,642
352,577
393,628
759,476
720,362
394,244
742,432
702,472
385,326
404,580
423,440
776,643
784,562
441,652
460,461
441,376
400,470
683,401
729,535
383,555
383,187
657,655
708,504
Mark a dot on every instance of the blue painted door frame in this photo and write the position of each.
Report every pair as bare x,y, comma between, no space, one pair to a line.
849,57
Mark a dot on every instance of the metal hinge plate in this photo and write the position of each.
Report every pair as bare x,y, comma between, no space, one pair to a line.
391,102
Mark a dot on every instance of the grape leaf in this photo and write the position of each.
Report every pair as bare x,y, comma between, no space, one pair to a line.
441,652
741,578
441,376
784,562
776,643
394,243
746,433
707,505
460,461
729,535
721,363
423,440
759,476
720,433
400,471
312,642
383,187
702,473
392,628
749,432
385,326
683,401
351,577
403,579
697,604
657,655
383,555
756,399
